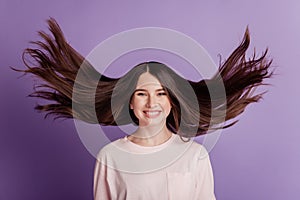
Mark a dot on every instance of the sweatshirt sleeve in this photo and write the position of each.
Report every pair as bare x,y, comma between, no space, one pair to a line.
101,186
204,178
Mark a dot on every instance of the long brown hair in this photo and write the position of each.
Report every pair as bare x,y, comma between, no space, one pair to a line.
57,64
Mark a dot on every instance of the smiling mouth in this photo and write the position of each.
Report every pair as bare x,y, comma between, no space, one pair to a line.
152,114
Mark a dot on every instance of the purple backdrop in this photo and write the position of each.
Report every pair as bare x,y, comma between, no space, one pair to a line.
258,158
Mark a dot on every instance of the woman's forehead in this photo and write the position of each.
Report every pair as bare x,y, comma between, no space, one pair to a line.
148,80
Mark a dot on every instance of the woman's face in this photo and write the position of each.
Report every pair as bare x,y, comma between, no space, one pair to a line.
150,102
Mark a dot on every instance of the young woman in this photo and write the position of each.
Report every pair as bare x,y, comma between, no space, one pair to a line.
154,162
159,160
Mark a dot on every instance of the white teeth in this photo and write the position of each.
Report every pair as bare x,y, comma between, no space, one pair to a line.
152,113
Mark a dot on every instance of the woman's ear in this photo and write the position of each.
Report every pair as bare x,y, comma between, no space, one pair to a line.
131,107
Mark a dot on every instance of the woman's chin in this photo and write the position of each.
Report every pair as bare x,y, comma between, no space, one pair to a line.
150,122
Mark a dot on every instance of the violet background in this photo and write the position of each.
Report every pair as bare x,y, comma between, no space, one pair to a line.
258,158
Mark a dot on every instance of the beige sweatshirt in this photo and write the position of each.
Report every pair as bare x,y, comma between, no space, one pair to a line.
174,170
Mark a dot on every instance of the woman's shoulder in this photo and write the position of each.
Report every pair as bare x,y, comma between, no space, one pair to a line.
198,146
105,150
197,149
192,143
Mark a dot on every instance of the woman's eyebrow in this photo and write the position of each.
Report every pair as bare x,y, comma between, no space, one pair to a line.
161,89
144,90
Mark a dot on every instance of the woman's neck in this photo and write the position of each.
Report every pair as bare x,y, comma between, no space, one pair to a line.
150,136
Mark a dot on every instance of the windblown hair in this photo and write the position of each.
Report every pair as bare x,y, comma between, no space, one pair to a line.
58,65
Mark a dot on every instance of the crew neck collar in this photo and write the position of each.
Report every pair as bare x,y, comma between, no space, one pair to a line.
156,147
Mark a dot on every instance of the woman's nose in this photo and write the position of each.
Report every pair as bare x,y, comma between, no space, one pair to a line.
151,101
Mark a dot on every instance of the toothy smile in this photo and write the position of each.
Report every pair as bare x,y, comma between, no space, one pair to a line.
152,114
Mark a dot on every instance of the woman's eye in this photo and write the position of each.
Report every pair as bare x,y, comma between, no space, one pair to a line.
141,94
162,94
